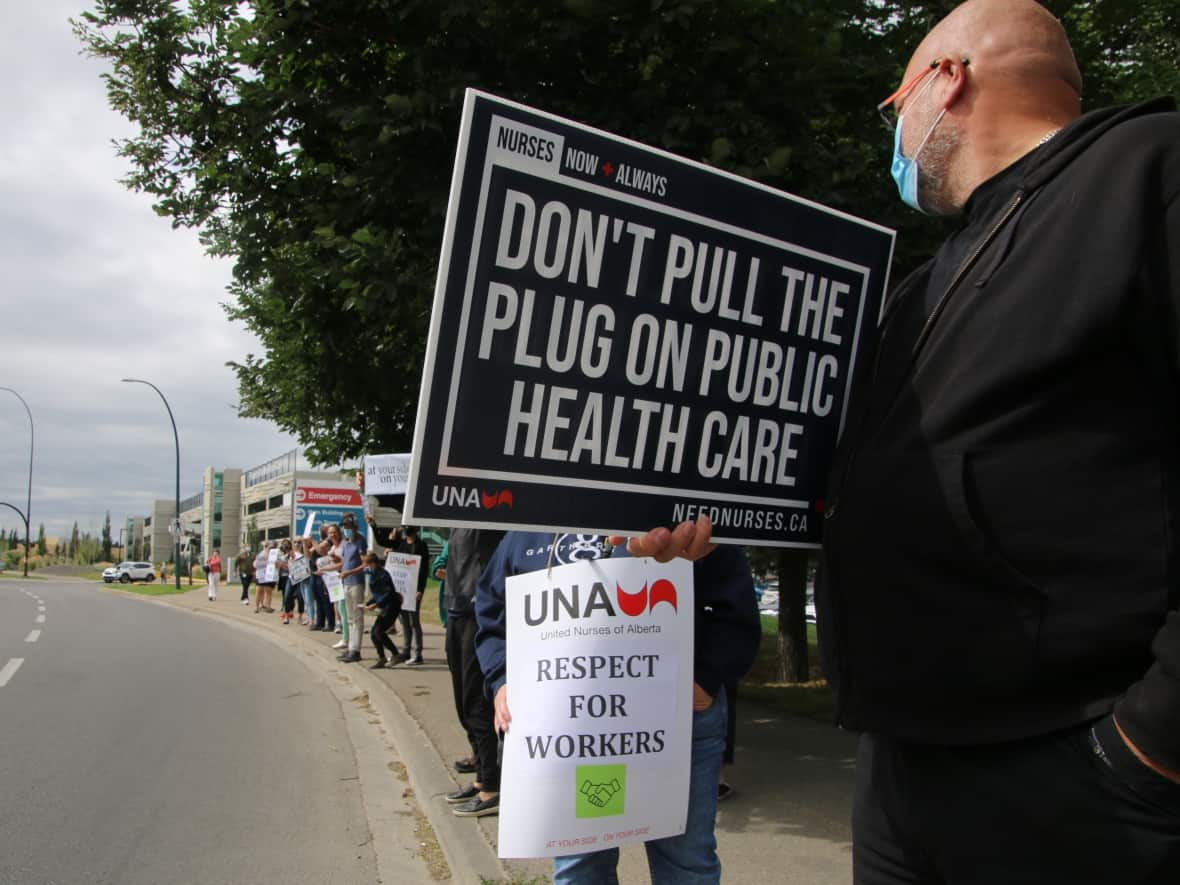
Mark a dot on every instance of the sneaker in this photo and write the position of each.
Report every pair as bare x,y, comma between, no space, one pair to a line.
340,644
417,660
478,807
245,602
405,658
336,629
379,664
465,795
349,657
466,766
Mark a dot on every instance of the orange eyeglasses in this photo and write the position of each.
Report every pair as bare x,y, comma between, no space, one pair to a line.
886,108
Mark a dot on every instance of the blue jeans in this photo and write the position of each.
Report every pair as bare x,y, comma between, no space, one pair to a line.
308,595
688,859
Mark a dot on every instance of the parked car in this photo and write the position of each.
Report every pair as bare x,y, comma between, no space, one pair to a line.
126,572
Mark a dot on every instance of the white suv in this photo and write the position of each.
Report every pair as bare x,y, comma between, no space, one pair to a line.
126,572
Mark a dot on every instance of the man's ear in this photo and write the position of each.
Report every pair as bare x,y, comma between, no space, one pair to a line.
951,82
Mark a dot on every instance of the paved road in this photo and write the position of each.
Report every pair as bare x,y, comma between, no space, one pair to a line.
143,744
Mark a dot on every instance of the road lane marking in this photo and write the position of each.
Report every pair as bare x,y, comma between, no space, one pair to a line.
10,670
33,636
40,619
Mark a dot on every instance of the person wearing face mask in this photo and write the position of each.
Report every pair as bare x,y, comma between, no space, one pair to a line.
351,549
998,594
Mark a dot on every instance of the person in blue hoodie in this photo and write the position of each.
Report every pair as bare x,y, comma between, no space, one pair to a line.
727,631
384,599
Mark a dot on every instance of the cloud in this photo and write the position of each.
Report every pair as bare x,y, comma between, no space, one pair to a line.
94,287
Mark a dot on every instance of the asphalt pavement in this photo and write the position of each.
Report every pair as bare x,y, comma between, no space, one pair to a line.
191,711
142,745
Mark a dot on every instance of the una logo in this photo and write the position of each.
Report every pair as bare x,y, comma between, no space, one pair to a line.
634,604
601,790
454,496
573,604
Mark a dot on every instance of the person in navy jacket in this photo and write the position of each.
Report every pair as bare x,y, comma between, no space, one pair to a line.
727,630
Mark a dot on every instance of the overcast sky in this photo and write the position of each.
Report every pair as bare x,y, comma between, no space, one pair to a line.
94,286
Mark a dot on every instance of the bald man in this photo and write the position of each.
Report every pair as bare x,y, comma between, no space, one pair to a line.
1001,566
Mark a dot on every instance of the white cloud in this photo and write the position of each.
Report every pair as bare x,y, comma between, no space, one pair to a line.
95,287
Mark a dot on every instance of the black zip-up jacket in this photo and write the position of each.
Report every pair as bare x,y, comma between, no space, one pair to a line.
1000,550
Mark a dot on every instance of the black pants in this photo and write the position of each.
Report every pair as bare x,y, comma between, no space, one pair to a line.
325,611
412,631
246,579
474,709
292,596
1073,807
380,636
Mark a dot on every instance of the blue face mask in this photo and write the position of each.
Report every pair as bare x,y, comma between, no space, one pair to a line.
905,169
348,533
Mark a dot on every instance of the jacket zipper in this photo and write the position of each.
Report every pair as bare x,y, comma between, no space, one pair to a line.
961,272
923,335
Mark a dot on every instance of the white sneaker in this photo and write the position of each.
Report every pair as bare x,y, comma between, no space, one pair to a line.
341,644
245,602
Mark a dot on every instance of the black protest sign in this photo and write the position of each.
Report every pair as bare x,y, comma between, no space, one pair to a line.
622,339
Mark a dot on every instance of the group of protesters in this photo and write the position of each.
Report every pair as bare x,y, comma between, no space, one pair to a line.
301,570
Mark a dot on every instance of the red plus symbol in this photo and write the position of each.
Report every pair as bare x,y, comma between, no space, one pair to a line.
608,170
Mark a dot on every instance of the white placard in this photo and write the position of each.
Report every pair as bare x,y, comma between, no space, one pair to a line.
403,569
599,665
298,570
310,522
387,474
270,574
335,586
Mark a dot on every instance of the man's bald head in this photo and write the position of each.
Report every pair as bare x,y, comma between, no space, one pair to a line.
1007,78
1006,40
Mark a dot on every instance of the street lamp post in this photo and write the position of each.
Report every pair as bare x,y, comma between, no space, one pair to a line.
29,498
122,549
176,438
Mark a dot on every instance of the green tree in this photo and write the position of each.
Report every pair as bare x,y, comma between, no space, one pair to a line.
106,537
41,548
313,142
253,534
75,540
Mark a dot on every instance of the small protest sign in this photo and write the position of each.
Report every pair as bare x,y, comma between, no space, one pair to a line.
334,585
386,474
403,569
622,338
599,667
270,575
298,570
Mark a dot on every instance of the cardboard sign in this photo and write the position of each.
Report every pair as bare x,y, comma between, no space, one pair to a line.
298,570
270,575
386,474
335,586
622,338
599,665
403,569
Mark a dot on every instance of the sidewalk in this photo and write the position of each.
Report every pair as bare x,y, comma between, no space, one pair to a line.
787,821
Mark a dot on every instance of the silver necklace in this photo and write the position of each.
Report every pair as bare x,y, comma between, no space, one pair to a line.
1046,137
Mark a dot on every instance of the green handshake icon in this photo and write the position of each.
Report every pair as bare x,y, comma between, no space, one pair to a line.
601,790
599,794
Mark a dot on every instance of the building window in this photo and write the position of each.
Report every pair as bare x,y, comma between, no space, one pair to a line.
256,507
276,501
